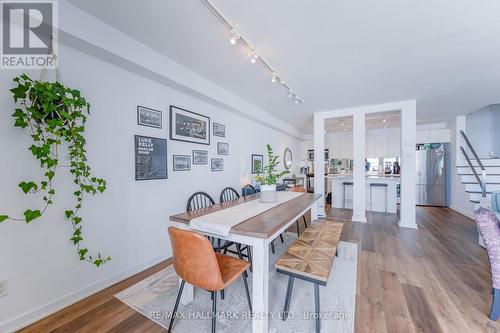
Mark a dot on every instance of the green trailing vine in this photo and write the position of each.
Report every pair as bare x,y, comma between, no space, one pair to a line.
270,174
54,113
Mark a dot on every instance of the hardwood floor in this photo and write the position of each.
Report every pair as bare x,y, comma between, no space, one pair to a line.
435,279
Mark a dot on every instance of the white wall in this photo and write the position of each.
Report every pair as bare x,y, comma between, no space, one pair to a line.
130,219
459,199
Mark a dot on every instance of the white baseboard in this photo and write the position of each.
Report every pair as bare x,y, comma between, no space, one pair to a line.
463,212
47,309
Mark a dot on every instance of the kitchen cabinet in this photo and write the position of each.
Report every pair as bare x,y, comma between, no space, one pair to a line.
370,150
394,145
381,145
440,135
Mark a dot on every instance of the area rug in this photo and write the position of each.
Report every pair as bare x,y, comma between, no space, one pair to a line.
154,297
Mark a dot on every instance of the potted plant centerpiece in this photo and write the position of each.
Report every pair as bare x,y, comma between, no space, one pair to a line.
269,176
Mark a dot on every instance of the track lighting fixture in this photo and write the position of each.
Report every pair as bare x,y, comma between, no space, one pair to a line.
234,36
254,58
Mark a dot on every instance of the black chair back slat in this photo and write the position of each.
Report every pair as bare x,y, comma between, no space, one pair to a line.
199,200
229,194
248,189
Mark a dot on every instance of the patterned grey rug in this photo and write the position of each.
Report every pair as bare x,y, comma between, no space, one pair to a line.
154,297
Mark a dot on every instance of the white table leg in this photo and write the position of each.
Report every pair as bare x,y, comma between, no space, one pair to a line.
187,293
260,300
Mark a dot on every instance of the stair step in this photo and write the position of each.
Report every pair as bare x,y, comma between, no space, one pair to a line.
487,162
475,187
490,170
477,196
490,179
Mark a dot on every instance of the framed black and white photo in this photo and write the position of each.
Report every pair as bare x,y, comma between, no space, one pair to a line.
219,130
182,162
148,117
200,157
222,148
217,164
150,158
189,126
257,163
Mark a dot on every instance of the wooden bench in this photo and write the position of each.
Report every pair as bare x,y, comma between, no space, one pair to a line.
310,258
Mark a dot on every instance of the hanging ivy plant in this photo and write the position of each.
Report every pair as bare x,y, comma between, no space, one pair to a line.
54,113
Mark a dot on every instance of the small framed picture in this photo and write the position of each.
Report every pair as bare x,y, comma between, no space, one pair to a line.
222,148
148,117
257,163
200,157
217,164
189,126
219,130
182,162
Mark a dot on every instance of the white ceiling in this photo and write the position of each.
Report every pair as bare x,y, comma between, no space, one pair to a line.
334,54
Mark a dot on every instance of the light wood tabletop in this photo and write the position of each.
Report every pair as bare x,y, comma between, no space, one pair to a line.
263,225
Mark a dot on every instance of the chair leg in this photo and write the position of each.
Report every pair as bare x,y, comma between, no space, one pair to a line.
298,229
305,221
179,294
272,246
316,307
249,253
238,249
244,276
282,240
214,312
288,297
495,304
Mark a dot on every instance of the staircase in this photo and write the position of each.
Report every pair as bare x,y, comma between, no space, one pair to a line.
481,176
473,187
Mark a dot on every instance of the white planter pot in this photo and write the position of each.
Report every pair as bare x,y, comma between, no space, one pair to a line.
268,193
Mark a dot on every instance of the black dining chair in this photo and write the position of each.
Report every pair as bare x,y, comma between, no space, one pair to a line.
248,190
229,194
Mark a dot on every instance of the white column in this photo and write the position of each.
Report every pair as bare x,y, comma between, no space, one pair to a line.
359,179
319,161
408,164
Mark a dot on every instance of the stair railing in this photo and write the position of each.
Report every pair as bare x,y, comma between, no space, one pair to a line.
481,181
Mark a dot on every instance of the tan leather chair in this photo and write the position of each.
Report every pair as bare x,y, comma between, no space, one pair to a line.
196,262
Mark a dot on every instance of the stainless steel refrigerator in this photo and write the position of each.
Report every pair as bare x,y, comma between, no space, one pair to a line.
431,177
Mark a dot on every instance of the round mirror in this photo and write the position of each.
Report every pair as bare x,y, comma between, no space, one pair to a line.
287,158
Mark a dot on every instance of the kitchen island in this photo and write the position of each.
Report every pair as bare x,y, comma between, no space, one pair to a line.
378,192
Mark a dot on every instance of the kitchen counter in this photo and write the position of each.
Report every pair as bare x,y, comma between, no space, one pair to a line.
348,176
378,201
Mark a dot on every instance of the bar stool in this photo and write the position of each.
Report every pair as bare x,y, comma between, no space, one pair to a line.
344,184
385,186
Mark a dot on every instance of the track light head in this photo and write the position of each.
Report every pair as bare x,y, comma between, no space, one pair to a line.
234,37
274,78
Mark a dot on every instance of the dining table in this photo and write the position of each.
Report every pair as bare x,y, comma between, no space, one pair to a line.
256,231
